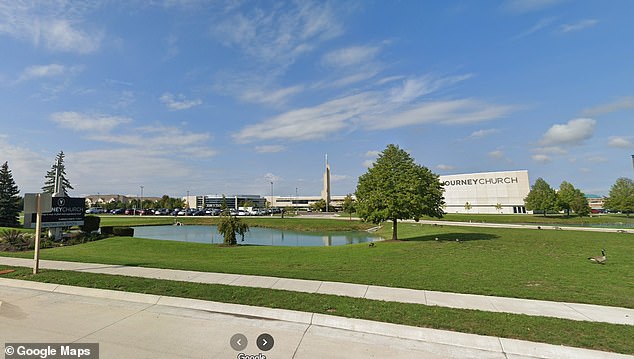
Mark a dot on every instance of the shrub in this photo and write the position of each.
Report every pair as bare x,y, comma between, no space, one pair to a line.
123,231
91,224
107,230
14,240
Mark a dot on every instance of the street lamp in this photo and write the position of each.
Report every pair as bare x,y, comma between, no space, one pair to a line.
141,204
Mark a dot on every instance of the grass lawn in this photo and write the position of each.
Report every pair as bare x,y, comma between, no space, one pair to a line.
555,219
293,223
599,336
549,265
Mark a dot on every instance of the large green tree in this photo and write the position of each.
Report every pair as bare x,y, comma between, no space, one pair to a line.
395,187
49,178
570,198
541,197
9,199
621,196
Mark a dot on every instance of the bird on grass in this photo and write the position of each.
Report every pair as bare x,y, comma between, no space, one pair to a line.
371,244
599,259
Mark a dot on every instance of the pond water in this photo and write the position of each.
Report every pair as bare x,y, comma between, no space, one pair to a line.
255,236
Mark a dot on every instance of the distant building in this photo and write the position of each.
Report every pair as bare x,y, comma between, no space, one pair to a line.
597,203
488,192
231,201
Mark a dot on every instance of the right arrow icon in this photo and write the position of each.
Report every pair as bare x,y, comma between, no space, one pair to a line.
265,342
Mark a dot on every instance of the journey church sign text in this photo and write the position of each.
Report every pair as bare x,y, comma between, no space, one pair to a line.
480,181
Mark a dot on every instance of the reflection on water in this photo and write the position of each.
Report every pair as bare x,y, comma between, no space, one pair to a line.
255,236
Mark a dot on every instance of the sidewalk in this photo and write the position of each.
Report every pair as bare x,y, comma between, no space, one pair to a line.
133,325
571,311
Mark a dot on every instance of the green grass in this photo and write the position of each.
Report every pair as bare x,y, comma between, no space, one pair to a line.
598,336
554,219
548,265
293,223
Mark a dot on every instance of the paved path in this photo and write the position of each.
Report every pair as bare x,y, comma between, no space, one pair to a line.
132,325
573,311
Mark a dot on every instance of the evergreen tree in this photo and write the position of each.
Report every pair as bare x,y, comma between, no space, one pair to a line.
49,179
9,199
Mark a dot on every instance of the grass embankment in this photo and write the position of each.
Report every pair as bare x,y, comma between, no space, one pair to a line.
554,219
291,224
599,336
548,265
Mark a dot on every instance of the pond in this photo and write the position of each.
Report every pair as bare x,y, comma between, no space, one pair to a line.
255,236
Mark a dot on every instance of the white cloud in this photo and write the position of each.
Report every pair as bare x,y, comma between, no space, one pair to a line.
621,142
441,112
541,158
83,122
444,167
158,137
624,103
270,148
368,163
34,72
483,133
350,56
497,154
572,133
270,177
394,107
581,25
271,97
372,153
54,24
27,166
281,35
178,102
540,25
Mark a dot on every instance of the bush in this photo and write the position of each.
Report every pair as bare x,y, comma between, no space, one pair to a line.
14,240
123,231
107,230
91,224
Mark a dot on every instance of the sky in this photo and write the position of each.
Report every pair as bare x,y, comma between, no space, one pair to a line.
225,97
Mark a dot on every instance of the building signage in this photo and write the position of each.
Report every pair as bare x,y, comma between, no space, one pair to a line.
66,212
483,181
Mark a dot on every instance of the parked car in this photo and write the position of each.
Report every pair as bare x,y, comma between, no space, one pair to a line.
118,211
95,210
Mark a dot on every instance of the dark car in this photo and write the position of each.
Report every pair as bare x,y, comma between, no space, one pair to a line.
118,211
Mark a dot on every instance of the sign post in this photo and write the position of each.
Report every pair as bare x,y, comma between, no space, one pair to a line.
38,233
38,203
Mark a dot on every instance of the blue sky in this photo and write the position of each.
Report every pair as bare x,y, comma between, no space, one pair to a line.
217,97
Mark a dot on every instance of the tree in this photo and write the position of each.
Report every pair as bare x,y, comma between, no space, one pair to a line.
498,207
580,204
566,195
49,179
398,188
621,196
468,206
348,205
9,199
318,206
229,226
541,197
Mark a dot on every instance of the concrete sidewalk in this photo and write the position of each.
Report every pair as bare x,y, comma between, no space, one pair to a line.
132,325
572,311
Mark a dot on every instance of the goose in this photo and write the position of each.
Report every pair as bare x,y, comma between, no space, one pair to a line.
599,259
371,244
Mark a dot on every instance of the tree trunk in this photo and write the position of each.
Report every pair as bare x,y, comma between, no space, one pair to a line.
394,230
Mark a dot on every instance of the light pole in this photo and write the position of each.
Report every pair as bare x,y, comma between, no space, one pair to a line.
141,204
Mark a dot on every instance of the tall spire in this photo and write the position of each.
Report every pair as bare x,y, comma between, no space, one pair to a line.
325,192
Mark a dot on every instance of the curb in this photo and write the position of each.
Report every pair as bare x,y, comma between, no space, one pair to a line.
457,339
